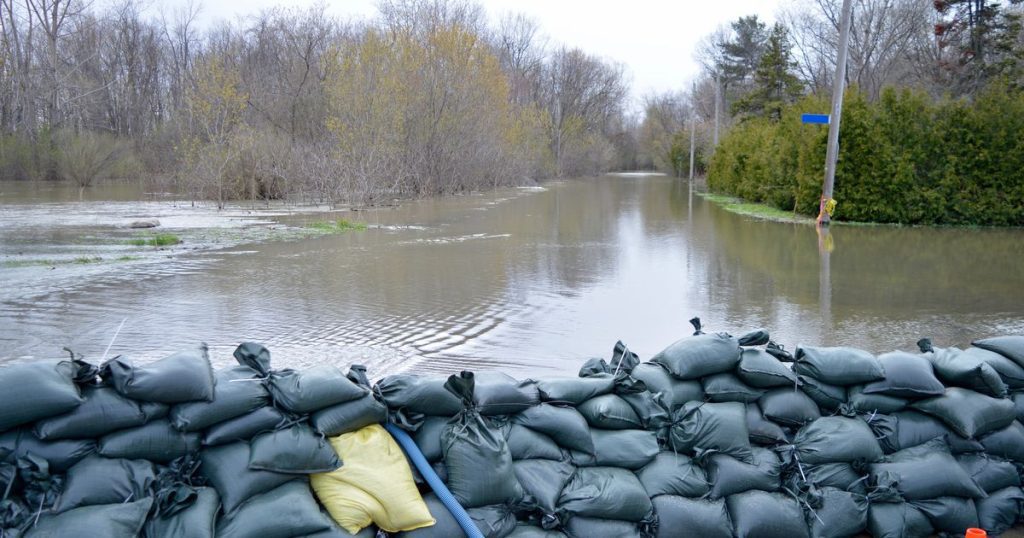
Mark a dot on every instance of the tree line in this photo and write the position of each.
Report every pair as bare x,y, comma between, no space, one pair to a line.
428,97
931,119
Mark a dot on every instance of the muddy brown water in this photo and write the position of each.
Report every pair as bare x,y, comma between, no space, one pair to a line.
528,281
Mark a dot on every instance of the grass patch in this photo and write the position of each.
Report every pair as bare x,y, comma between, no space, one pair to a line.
336,226
87,259
760,211
128,258
158,240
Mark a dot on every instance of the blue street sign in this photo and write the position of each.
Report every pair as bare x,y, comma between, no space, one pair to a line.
821,119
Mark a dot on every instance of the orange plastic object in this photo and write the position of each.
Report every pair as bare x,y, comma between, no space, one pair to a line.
976,533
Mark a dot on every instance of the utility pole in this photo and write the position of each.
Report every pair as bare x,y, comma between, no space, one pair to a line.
838,85
693,127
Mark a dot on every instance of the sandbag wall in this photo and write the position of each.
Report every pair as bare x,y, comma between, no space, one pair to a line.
721,436
172,448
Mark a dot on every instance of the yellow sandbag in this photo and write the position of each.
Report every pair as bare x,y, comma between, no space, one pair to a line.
374,483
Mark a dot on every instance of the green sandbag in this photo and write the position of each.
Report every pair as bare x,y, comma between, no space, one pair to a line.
1000,511
338,532
198,520
680,516
949,515
654,415
760,369
788,407
729,476
121,520
607,492
726,387
284,512
836,513
762,431
60,454
564,425
837,440
495,521
842,366
969,413
954,367
592,527
1006,443
428,437
1009,371
762,514
873,403
245,427
157,441
575,390
47,384
907,429
524,443
699,356
253,355
609,412
349,416
841,476
673,474
185,376
237,391
496,393
97,480
674,392
294,450
912,472
828,397
1011,347
906,376
544,481
897,520
312,389
989,472
524,530
418,394
103,410
628,449
712,426
226,467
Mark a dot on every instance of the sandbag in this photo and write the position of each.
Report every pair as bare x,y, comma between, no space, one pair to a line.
758,368
182,377
198,520
836,513
762,514
1011,347
674,392
606,492
673,474
907,429
102,411
762,431
154,410
859,402
628,449
294,450
991,473
897,520
226,467
968,413
284,512
654,415
726,387
1018,404
496,393
693,517
712,426
828,397
699,356
349,416
951,515
524,530
96,480
592,527
120,520
564,425
998,512
906,376
575,390
912,472
245,427
524,443
418,394
375,484
841,476
157,441
954,367
496,521
253,355
788,407
609,412
47,384
1006,443
842,366
237,391
729,476
60,455
445,526
544,481
1009,371
428,437
312,389
837,440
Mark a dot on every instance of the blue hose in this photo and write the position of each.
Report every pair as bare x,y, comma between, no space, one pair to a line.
441,490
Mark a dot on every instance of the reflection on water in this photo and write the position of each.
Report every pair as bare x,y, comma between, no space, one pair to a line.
532,280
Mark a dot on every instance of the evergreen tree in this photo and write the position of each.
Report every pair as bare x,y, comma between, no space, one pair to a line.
775,83
741,55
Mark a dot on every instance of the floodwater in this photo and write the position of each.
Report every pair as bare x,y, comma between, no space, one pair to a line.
528,281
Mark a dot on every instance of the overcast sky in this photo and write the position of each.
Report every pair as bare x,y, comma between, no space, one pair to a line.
655,39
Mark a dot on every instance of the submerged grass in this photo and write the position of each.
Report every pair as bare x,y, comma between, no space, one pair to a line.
760,211
81,260
336,226
158,240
